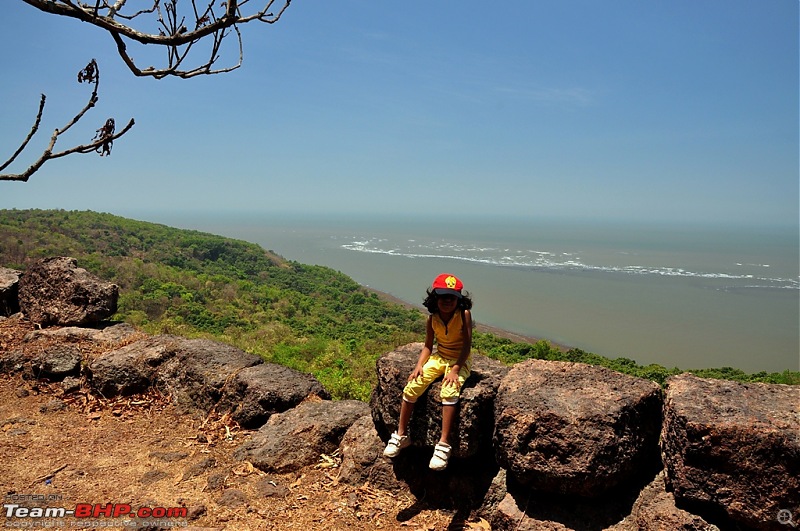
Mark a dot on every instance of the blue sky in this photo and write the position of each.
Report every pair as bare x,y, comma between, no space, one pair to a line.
627,110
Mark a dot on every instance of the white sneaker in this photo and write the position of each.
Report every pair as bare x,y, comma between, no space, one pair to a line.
396,443
441,453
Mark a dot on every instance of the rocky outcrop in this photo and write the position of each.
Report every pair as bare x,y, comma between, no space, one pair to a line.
475,421
58,362
535,511
9,286
545,445
362,458
199,370
56,353
577,429
256,393
295,439
655,510
113,333
201,374
55,291
733,448
132,368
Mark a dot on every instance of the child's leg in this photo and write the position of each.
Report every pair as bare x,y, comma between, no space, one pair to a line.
450,395
406,408
411,392
441,452
432,369
399,439
448,415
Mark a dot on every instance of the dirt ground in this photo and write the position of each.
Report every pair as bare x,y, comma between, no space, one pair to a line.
62,450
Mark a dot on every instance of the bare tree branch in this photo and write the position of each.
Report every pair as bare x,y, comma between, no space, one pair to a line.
102,142
178,30
34,128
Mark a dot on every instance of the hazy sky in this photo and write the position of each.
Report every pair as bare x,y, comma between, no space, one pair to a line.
663,110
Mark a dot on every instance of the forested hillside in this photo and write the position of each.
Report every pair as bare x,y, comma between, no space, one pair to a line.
194,284
311,318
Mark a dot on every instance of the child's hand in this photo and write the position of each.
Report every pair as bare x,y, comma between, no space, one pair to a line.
416,373
451,378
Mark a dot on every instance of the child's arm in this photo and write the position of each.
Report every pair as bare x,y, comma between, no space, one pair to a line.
452,376
426,351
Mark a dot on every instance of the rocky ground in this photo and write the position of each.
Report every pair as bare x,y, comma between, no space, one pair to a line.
62,449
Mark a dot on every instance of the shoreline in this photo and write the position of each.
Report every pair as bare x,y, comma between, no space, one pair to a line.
480,327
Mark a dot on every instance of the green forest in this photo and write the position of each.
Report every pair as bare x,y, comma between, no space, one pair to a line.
307,317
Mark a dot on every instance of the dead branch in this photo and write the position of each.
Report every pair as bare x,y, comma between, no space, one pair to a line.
51,475
101,143
179,30
34,128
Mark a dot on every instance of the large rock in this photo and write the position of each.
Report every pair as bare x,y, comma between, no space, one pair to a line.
576,429
56,352
58,362
536,511
509,516
9,289
655,510
651,509
193,371
201,369
55,291
362,458
255,393
296,438
132,368
115,333
733,448
471,434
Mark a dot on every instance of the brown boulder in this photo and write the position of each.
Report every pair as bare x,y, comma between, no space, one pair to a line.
531,509
116,333
193,371
652,509
296,438
655,510
57,362
362,458
132,368
43,353
573,428
510,517
55,291
257,392
733,449
472,432
9,285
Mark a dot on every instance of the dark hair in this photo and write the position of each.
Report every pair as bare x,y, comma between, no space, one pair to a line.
431,304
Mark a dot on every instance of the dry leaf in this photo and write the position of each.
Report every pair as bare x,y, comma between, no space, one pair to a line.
243,469
327,462
480,524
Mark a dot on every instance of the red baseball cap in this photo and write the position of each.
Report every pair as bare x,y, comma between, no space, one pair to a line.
447,284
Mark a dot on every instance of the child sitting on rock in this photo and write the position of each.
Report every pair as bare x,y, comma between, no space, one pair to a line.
450,323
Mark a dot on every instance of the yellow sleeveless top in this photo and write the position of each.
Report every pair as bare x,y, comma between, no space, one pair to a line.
450,336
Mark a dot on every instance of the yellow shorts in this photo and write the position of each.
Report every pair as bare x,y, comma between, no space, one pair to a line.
435,367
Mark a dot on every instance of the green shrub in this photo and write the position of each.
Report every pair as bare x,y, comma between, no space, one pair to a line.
307,317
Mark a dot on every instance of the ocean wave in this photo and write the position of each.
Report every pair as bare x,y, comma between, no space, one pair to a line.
549,261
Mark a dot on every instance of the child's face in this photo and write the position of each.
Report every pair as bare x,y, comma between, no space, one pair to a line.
447,303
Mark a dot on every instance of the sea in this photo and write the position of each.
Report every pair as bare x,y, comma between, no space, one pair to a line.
677,295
